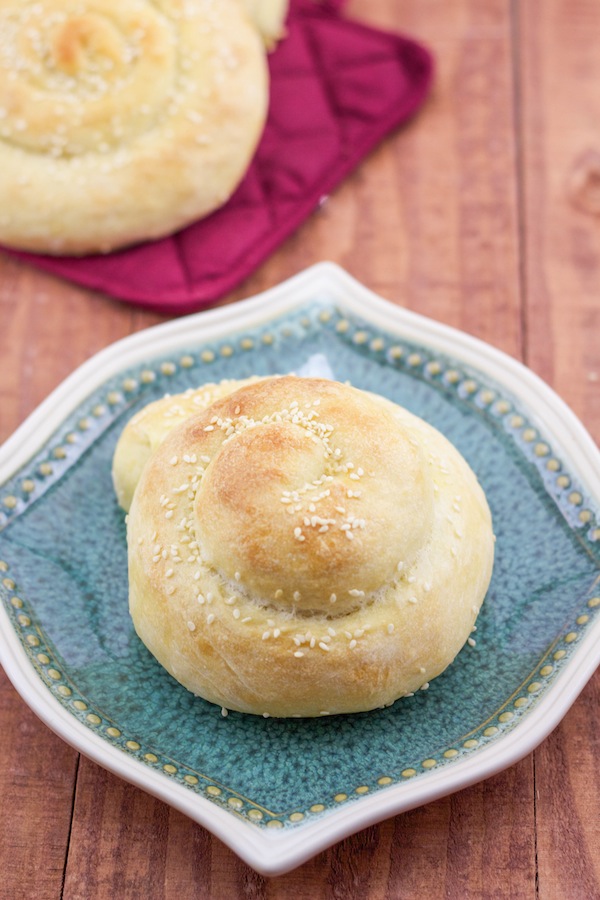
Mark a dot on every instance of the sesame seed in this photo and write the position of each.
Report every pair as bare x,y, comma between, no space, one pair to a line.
471,642
424,687
278,593
298,654
390,628
169,514
427,587
210,618
411,579
412,599
246,619
237,576
210,428
236,613
323,645
224,712
312,642
266,716
421,670
200,599
191,626
352,644
332,598
168,573
170,591
332,631
266,635
276,633
349,535
355,593
297,596
173,461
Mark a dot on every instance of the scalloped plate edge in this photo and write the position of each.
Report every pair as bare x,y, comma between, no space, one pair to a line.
273,853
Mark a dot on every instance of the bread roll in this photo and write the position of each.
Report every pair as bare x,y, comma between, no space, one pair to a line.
124,120
149,427
268,16
303,548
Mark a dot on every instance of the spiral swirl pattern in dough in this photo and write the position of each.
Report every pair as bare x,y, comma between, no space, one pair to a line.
303,548
122,120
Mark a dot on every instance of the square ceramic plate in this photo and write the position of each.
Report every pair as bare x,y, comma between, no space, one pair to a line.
279,791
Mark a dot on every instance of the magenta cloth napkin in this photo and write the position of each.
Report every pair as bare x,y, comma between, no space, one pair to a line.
337,88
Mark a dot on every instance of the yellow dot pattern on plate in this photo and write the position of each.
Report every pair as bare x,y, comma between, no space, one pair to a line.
45,659
207,356
55,674
546,670
428,764
147,376
469,386
71,438
470,744
24,620
296,817
32,640
559,654
491,731
235,803
226,350
563,481
553,465
274,823
79,704
516,421
385,779
129,385
64,690
151,757
93,719
171,769
113,732
9,584
362,789
168,368
570,637
339,798
113,398
360,337
529,435
45,469
502,407
3,566
585,516
213,790
575,498
10,502
396,352
247,343
255,814
506,717
186,362
98,410
450,754
408,773
324,315
190,779
541,449
59,453
581,620
132,745
434,368
595,601
342,326
534,687
414,359
267,339
487,397
16,602
377,344
595,535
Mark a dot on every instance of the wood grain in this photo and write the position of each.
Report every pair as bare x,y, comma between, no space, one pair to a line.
473,214
560,132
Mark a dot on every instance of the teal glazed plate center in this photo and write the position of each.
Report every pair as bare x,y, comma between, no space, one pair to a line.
279,791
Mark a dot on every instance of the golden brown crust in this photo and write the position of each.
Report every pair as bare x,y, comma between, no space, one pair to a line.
124,121
320,551
149,427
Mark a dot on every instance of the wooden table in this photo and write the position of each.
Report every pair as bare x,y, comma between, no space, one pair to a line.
483,213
